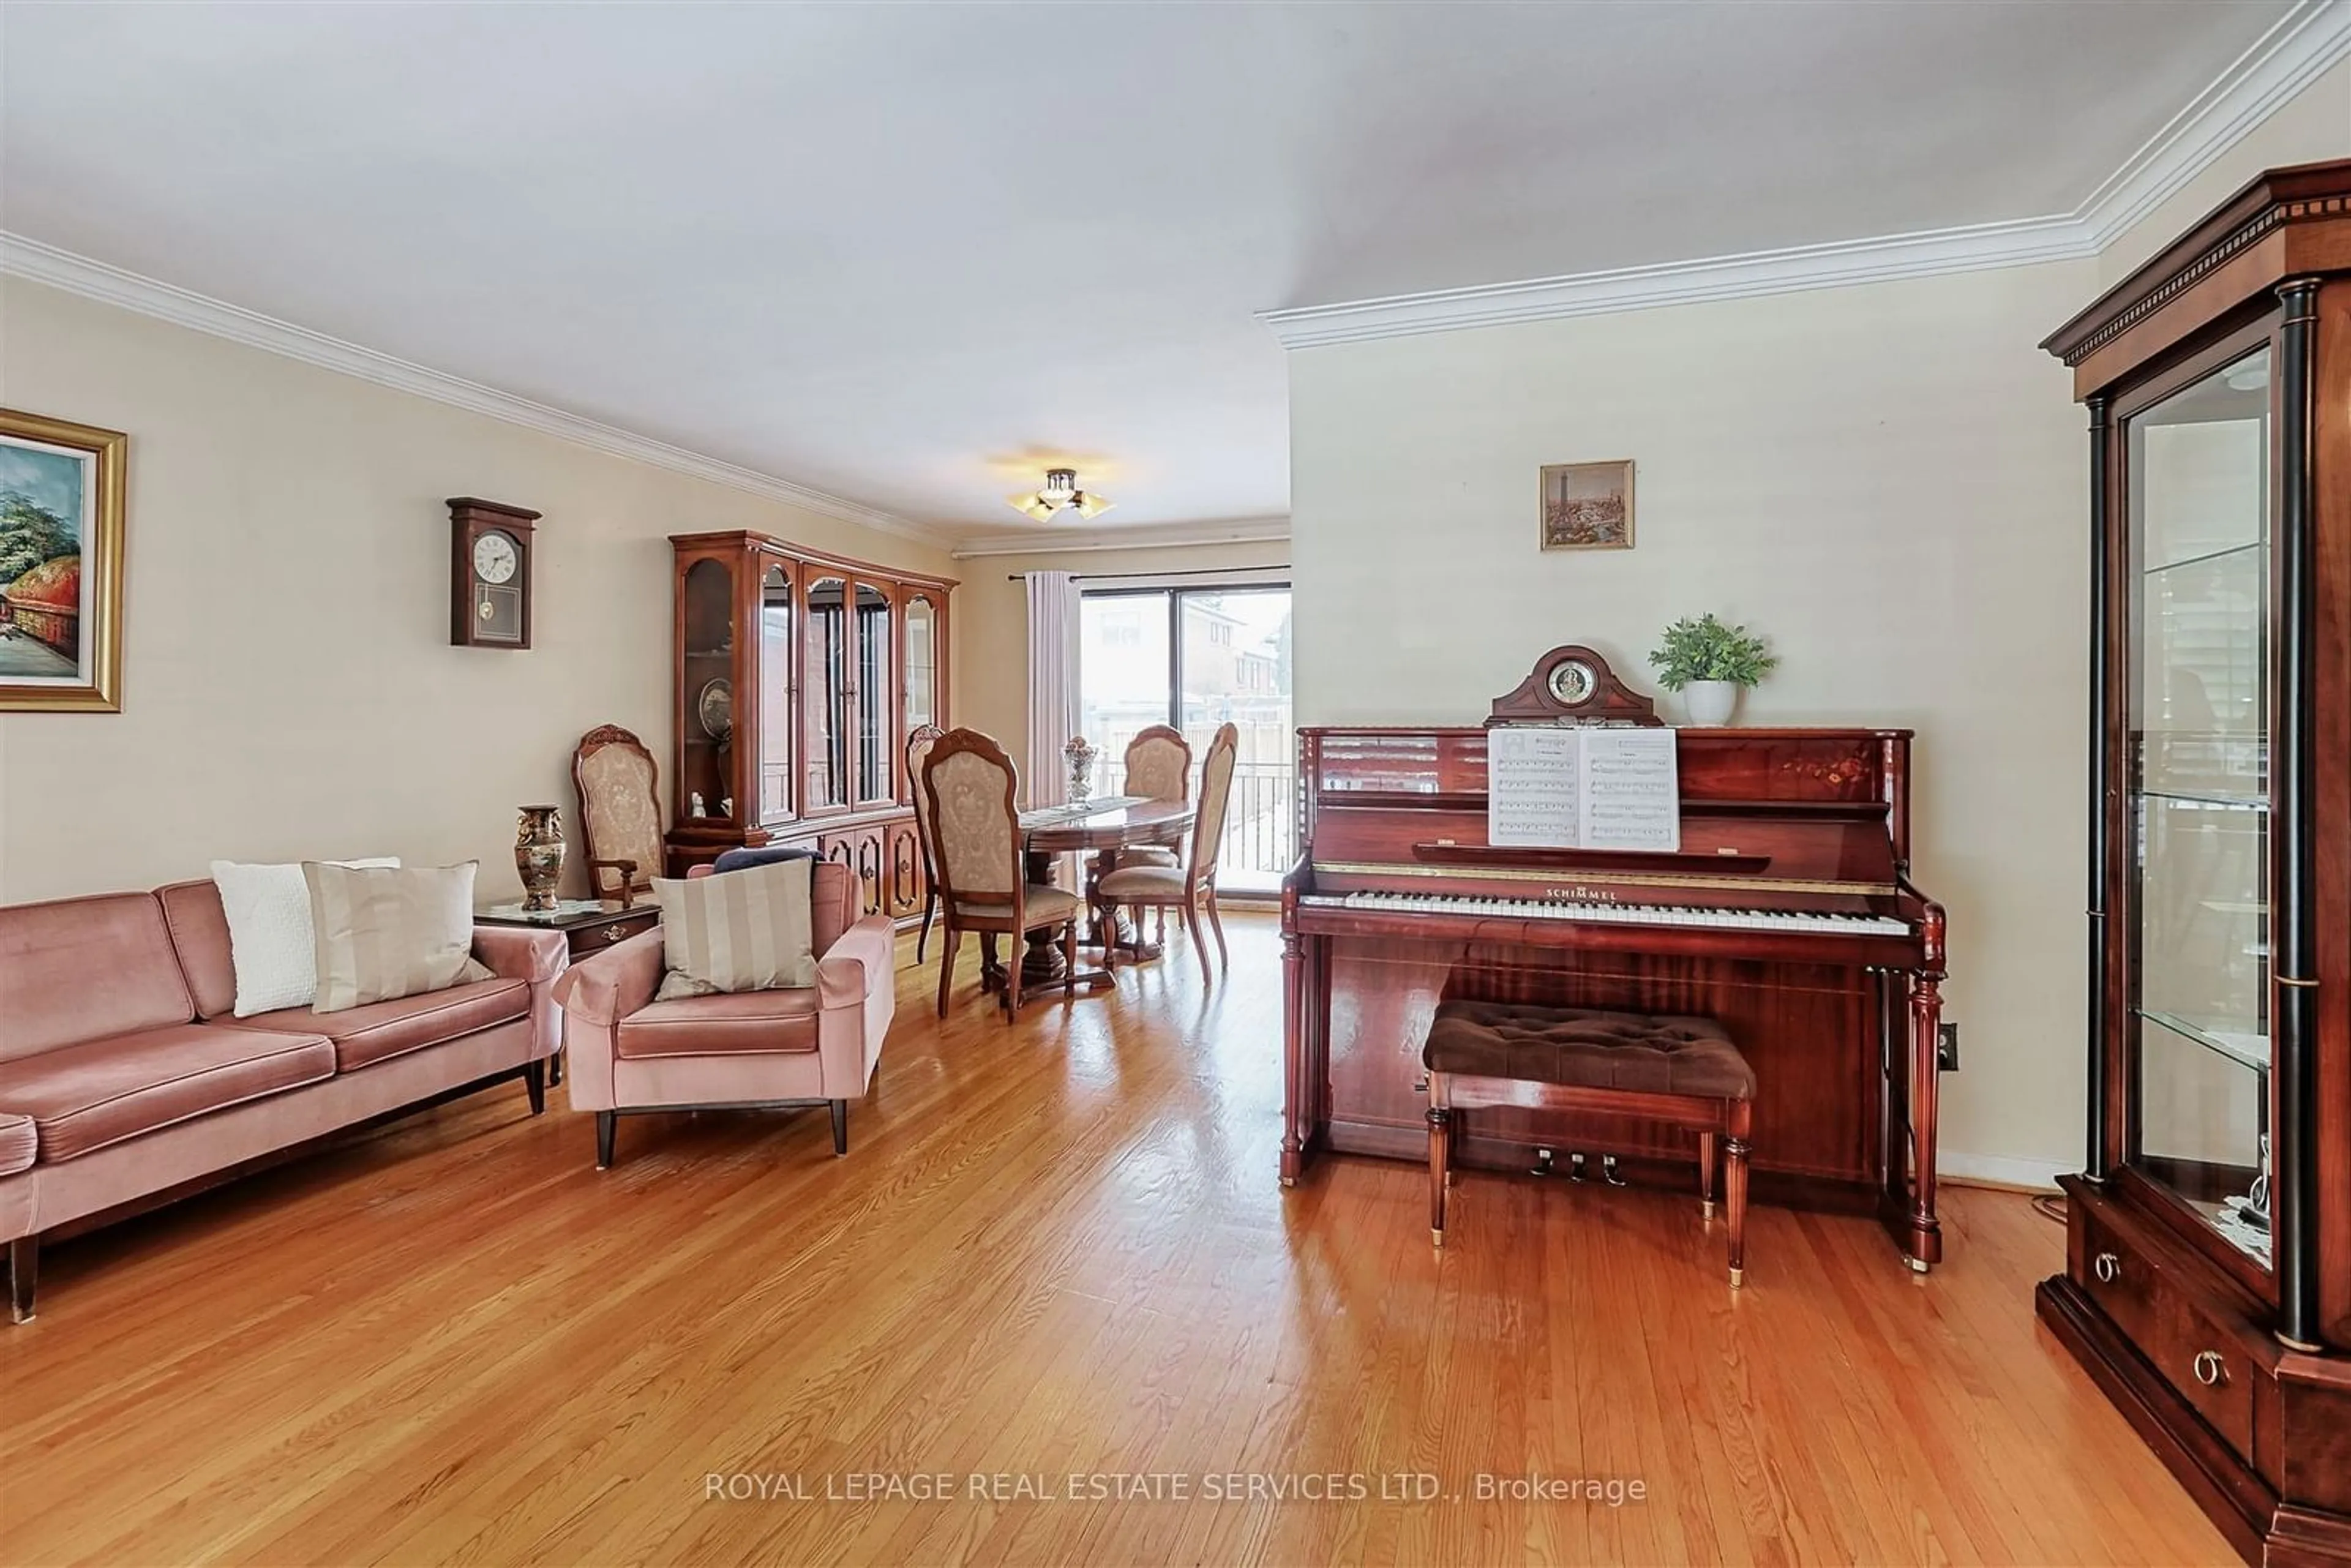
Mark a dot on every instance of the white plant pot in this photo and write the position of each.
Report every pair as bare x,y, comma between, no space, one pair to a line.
1710,702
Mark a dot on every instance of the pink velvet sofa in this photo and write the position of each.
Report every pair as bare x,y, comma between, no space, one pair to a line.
125,1078
627,1053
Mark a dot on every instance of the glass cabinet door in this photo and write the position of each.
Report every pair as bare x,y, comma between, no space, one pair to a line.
776,695
2197,468
825,673
922,661
877,697
706,694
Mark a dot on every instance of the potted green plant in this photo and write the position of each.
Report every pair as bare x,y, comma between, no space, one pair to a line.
1708,663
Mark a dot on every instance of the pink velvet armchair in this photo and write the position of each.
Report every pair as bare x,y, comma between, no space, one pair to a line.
751,1050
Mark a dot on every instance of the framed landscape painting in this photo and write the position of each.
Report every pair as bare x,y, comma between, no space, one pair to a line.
1587,506
60,565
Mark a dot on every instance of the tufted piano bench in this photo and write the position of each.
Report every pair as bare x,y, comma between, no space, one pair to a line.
1683,1071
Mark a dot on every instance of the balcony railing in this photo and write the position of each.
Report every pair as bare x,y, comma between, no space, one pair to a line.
1260,825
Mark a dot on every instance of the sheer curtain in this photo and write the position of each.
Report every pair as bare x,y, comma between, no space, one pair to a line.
1052,683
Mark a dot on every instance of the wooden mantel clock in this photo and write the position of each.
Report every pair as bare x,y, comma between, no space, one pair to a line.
489,574
1573,684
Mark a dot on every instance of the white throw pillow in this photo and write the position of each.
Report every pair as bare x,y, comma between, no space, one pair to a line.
271,943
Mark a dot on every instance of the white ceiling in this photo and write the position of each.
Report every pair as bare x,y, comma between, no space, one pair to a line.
906,254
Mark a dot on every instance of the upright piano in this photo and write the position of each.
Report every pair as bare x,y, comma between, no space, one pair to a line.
1787,914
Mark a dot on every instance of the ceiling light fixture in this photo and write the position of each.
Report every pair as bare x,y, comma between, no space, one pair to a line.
1059,495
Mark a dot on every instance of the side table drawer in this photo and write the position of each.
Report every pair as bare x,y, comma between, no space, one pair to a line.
620,927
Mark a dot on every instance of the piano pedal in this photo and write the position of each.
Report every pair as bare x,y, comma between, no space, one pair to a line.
1608,1172
1575,1165
1542,1165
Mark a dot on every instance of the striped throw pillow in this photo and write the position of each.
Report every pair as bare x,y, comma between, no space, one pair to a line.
383,933
746,930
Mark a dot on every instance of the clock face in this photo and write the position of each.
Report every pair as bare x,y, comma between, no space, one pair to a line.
1572,682
495,557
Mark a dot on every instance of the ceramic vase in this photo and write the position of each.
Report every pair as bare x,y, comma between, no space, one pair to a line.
539,854
1710,702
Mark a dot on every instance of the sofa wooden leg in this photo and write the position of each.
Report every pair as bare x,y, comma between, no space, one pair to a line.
555,1070
24,1271
607,1124
534,1083
839,1127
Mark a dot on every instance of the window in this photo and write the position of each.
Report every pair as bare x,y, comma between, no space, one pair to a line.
1196,658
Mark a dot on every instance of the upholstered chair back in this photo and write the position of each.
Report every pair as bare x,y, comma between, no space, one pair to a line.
918,751
620,807
1216,798
1159,765
971,784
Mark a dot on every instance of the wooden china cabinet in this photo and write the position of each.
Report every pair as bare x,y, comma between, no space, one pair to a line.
799,676
2207,1279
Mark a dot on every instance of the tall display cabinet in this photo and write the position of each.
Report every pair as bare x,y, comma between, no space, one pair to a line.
2208,1277
799,677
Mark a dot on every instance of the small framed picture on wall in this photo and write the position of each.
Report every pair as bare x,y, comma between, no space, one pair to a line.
1587,506
60,566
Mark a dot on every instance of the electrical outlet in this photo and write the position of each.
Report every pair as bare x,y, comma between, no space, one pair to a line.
1946,1049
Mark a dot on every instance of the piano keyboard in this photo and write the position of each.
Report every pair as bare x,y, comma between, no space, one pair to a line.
1782,920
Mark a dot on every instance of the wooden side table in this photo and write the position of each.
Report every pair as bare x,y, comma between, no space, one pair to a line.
589,926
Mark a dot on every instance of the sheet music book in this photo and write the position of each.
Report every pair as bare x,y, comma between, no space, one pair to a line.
1584,787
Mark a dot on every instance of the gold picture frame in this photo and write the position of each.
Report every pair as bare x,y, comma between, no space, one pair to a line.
62,509
1586,506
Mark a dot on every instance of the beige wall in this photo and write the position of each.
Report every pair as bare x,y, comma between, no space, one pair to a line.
290,690
991,685
1887,482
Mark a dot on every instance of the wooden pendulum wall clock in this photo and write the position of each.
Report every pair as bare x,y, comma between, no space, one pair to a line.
489,574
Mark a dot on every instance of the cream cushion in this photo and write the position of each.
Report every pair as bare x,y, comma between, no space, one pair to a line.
385,932
746,930
1045,905
272,946
1141,882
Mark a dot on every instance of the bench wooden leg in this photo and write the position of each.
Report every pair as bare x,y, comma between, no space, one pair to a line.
1440,1161
1706,1155
1734,1189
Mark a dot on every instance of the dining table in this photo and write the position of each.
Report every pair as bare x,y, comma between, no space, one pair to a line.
1098,828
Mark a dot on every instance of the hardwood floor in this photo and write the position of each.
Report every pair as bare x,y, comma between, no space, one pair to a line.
1054,1248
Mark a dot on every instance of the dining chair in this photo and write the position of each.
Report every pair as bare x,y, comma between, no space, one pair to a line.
984,887
1159,767
918,746
1187,887
620,812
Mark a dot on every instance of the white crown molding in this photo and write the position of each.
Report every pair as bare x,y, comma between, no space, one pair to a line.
1253,531
1838,264
46,263
2309,40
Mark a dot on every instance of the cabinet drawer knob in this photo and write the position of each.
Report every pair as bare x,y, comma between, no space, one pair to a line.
2107,1266
2210,1370
615,932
